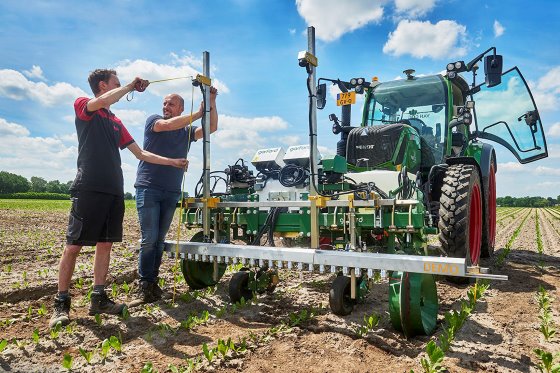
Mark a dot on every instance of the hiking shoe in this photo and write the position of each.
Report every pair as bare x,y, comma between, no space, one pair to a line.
100,303
144,294
61,312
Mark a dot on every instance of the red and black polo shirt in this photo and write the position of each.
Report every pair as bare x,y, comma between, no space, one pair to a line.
100,135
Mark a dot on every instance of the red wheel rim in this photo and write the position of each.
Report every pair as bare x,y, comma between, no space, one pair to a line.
492,206
475,225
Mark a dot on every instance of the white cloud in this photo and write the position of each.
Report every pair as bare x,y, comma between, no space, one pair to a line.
547,171
131,118
246,133
413,8
292,31
12,129
424,39
186,66
47,157
15,86
554,130
550,81
290,140
498,29
35,72
334,18
511,167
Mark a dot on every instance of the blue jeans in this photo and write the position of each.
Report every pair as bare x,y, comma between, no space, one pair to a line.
155,212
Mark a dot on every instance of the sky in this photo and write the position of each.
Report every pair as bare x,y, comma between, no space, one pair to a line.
48,49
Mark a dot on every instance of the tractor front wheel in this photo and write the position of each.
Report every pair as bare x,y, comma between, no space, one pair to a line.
239,287
460,212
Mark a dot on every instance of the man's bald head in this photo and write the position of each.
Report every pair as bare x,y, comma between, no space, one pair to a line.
173,106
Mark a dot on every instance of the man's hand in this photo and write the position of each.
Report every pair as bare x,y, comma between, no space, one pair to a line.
138,84
180,163
213,94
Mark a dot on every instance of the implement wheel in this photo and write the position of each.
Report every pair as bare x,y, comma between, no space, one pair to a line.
489,217
239,287
339,296
199,275
413,303
460,212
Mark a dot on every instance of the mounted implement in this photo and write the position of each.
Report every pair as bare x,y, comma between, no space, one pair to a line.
414,166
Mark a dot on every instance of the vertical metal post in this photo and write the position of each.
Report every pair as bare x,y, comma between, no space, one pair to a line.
313,141
206,146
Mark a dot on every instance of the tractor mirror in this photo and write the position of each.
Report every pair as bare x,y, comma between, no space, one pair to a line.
321,96
438,131
493,70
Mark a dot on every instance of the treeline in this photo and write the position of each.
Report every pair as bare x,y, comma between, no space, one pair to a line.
527,201
16,186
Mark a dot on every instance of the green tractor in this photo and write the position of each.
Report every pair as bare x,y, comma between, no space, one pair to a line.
431,127
413,167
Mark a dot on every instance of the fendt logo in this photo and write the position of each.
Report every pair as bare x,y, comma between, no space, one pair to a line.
449,269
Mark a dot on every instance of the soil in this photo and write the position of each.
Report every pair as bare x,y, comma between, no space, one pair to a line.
499,336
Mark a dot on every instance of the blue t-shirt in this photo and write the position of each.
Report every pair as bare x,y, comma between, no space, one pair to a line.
171,144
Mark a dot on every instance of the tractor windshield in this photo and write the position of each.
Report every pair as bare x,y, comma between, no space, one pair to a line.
419,102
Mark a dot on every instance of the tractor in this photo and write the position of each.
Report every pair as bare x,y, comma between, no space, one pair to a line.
413,166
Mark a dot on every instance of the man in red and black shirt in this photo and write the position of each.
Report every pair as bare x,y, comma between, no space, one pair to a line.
97,192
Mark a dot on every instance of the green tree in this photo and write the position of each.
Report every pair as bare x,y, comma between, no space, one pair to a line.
53,186
128,195
12,183
38,184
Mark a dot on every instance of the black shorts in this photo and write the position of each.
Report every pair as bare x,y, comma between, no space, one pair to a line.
95,217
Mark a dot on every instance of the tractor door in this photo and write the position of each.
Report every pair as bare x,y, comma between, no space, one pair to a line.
507,114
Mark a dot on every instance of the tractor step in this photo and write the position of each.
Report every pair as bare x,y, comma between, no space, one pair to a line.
310,260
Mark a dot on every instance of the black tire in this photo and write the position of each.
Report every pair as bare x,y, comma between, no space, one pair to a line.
460,213
489,213
239,287
339,296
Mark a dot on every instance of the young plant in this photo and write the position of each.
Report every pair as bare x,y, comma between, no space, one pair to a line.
55,332
148,368
126,288
114,290
105,348
433,364
35,336
546,361
98,319
42,311
67,362
3,344
116,342
86,354
370,322
545,314
208,353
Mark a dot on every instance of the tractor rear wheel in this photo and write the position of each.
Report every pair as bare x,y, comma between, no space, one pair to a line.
460,212
489,220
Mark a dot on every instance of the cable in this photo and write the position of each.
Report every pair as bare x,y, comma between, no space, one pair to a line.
292,175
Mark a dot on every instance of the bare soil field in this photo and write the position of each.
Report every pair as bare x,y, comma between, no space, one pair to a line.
289,330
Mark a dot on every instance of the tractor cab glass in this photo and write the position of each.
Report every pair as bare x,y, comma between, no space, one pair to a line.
418,102
507,114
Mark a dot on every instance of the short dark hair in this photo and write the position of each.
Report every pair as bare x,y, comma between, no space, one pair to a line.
99,75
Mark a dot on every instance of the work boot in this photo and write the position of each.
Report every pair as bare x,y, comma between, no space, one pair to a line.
61,312
144,294
156,292
100,303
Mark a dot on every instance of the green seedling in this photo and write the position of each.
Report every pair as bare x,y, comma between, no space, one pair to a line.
42,311
55,332
79,283
126,288
116,342
105,348
67,361
370,322
29,313
88,355
3,345
98,319
148,368
114,290
35,336
208,353
435,359
546,363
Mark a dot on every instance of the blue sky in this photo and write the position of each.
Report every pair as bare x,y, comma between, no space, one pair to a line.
49,48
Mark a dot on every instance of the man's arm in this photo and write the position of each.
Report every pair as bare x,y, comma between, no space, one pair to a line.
109,98
147,156
198,134
178,122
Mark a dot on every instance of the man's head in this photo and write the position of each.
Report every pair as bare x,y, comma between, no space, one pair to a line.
103,80
173,106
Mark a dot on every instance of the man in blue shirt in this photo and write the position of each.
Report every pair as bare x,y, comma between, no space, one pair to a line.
158,188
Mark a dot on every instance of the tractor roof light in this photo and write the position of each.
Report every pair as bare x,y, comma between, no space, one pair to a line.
353,81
